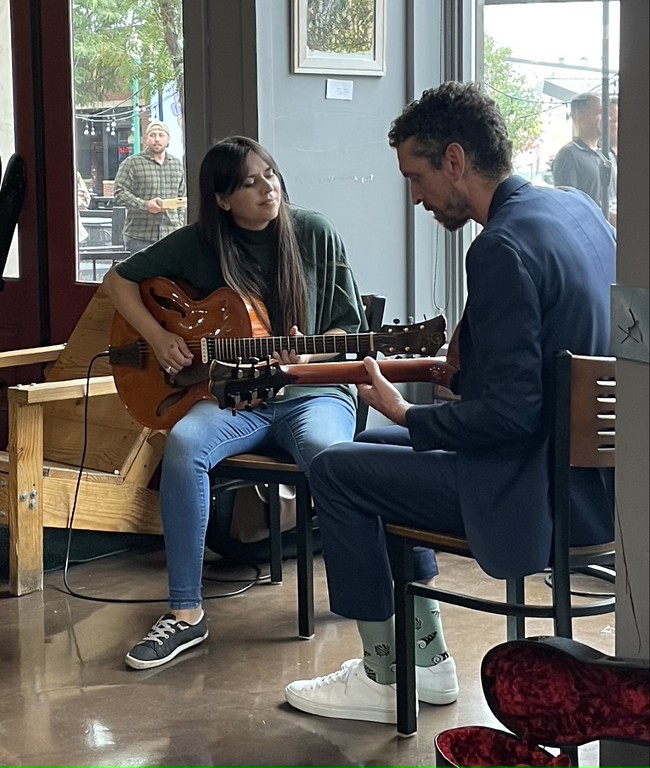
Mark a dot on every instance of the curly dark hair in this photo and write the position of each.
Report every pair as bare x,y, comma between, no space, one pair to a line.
459,113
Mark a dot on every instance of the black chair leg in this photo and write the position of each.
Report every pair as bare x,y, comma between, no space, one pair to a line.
561,586
305,566
515,593
407,719
275,534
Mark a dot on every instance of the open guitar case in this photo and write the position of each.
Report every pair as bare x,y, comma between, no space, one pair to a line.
556,692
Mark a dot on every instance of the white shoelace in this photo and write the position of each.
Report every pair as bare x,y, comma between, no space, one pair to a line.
342,675
161,630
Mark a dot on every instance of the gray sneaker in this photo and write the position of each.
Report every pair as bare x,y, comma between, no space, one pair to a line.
166,639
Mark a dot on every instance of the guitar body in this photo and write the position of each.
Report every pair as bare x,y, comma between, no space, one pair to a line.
149,394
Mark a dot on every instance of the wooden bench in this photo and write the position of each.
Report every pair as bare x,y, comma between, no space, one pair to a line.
48,424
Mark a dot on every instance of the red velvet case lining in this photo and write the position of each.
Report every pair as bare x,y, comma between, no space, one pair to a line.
556,692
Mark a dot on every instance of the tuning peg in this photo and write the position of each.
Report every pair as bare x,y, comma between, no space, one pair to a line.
396,321
410,320
253,361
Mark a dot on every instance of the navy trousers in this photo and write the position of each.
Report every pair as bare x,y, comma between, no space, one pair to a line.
357,488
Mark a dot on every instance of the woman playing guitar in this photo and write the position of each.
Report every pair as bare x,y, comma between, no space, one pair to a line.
289,268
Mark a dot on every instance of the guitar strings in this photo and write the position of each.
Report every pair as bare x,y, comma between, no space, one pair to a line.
353,343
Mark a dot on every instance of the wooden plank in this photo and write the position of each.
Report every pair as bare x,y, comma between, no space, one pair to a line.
101,507
25,492
51,469
90,337
49,391
30,356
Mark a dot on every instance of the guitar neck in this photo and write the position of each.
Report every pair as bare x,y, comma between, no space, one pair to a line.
354,372
216,348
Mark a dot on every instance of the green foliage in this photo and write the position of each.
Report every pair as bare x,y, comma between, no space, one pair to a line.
340,26
517,101
117,42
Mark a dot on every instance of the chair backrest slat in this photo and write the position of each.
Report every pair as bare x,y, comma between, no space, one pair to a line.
593,412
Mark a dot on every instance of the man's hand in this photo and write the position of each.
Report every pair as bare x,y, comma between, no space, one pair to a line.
453,357
381,395
155,205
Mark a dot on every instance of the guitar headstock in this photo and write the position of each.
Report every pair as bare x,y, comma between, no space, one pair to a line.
423,338
246,385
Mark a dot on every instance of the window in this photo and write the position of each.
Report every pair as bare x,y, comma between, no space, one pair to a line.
128,71
547,64
7,144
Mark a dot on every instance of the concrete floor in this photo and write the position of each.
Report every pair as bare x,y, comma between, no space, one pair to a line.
69,699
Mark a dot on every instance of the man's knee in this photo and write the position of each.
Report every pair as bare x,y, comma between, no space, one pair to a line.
328,465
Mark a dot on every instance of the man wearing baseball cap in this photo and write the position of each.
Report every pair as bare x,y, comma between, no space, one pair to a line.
142,183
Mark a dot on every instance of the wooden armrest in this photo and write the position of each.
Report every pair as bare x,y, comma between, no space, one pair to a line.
30,356
48,391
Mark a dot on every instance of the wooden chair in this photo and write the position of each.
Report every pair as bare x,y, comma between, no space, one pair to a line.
583,436
252,468
40,469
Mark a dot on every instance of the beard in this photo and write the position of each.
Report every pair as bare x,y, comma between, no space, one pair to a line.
456,214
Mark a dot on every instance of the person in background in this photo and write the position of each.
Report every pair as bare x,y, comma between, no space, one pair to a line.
580,163
613,156
538,281
284,261
142,183
83,201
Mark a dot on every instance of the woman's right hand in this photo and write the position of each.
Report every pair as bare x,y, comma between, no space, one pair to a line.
171,351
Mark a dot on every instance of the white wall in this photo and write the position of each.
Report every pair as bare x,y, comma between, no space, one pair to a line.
334,154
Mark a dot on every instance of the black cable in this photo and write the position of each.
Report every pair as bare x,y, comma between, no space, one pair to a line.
248,583
548,580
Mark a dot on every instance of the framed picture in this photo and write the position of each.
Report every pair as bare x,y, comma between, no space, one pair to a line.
342,37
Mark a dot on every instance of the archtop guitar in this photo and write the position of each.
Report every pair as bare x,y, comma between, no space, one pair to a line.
224,328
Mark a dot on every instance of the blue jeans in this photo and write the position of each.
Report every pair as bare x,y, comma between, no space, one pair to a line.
205,436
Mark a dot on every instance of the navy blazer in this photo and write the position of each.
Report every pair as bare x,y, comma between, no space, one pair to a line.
538,280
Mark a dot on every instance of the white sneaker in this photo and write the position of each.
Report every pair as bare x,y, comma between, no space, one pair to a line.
438,684
348,694
435,685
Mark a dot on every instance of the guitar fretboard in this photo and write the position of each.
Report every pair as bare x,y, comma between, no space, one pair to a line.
215,348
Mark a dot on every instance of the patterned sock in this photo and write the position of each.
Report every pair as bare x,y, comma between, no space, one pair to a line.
430,645
378,639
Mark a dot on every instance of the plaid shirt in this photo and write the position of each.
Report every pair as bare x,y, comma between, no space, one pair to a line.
139,179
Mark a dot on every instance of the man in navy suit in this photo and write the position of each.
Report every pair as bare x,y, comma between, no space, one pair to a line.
538,280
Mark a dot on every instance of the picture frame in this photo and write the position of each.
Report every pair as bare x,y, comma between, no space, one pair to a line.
331,25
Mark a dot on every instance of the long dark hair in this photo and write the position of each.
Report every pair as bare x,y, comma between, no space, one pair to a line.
224,170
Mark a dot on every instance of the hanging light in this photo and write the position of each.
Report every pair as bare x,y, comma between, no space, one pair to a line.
92,129
86,129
